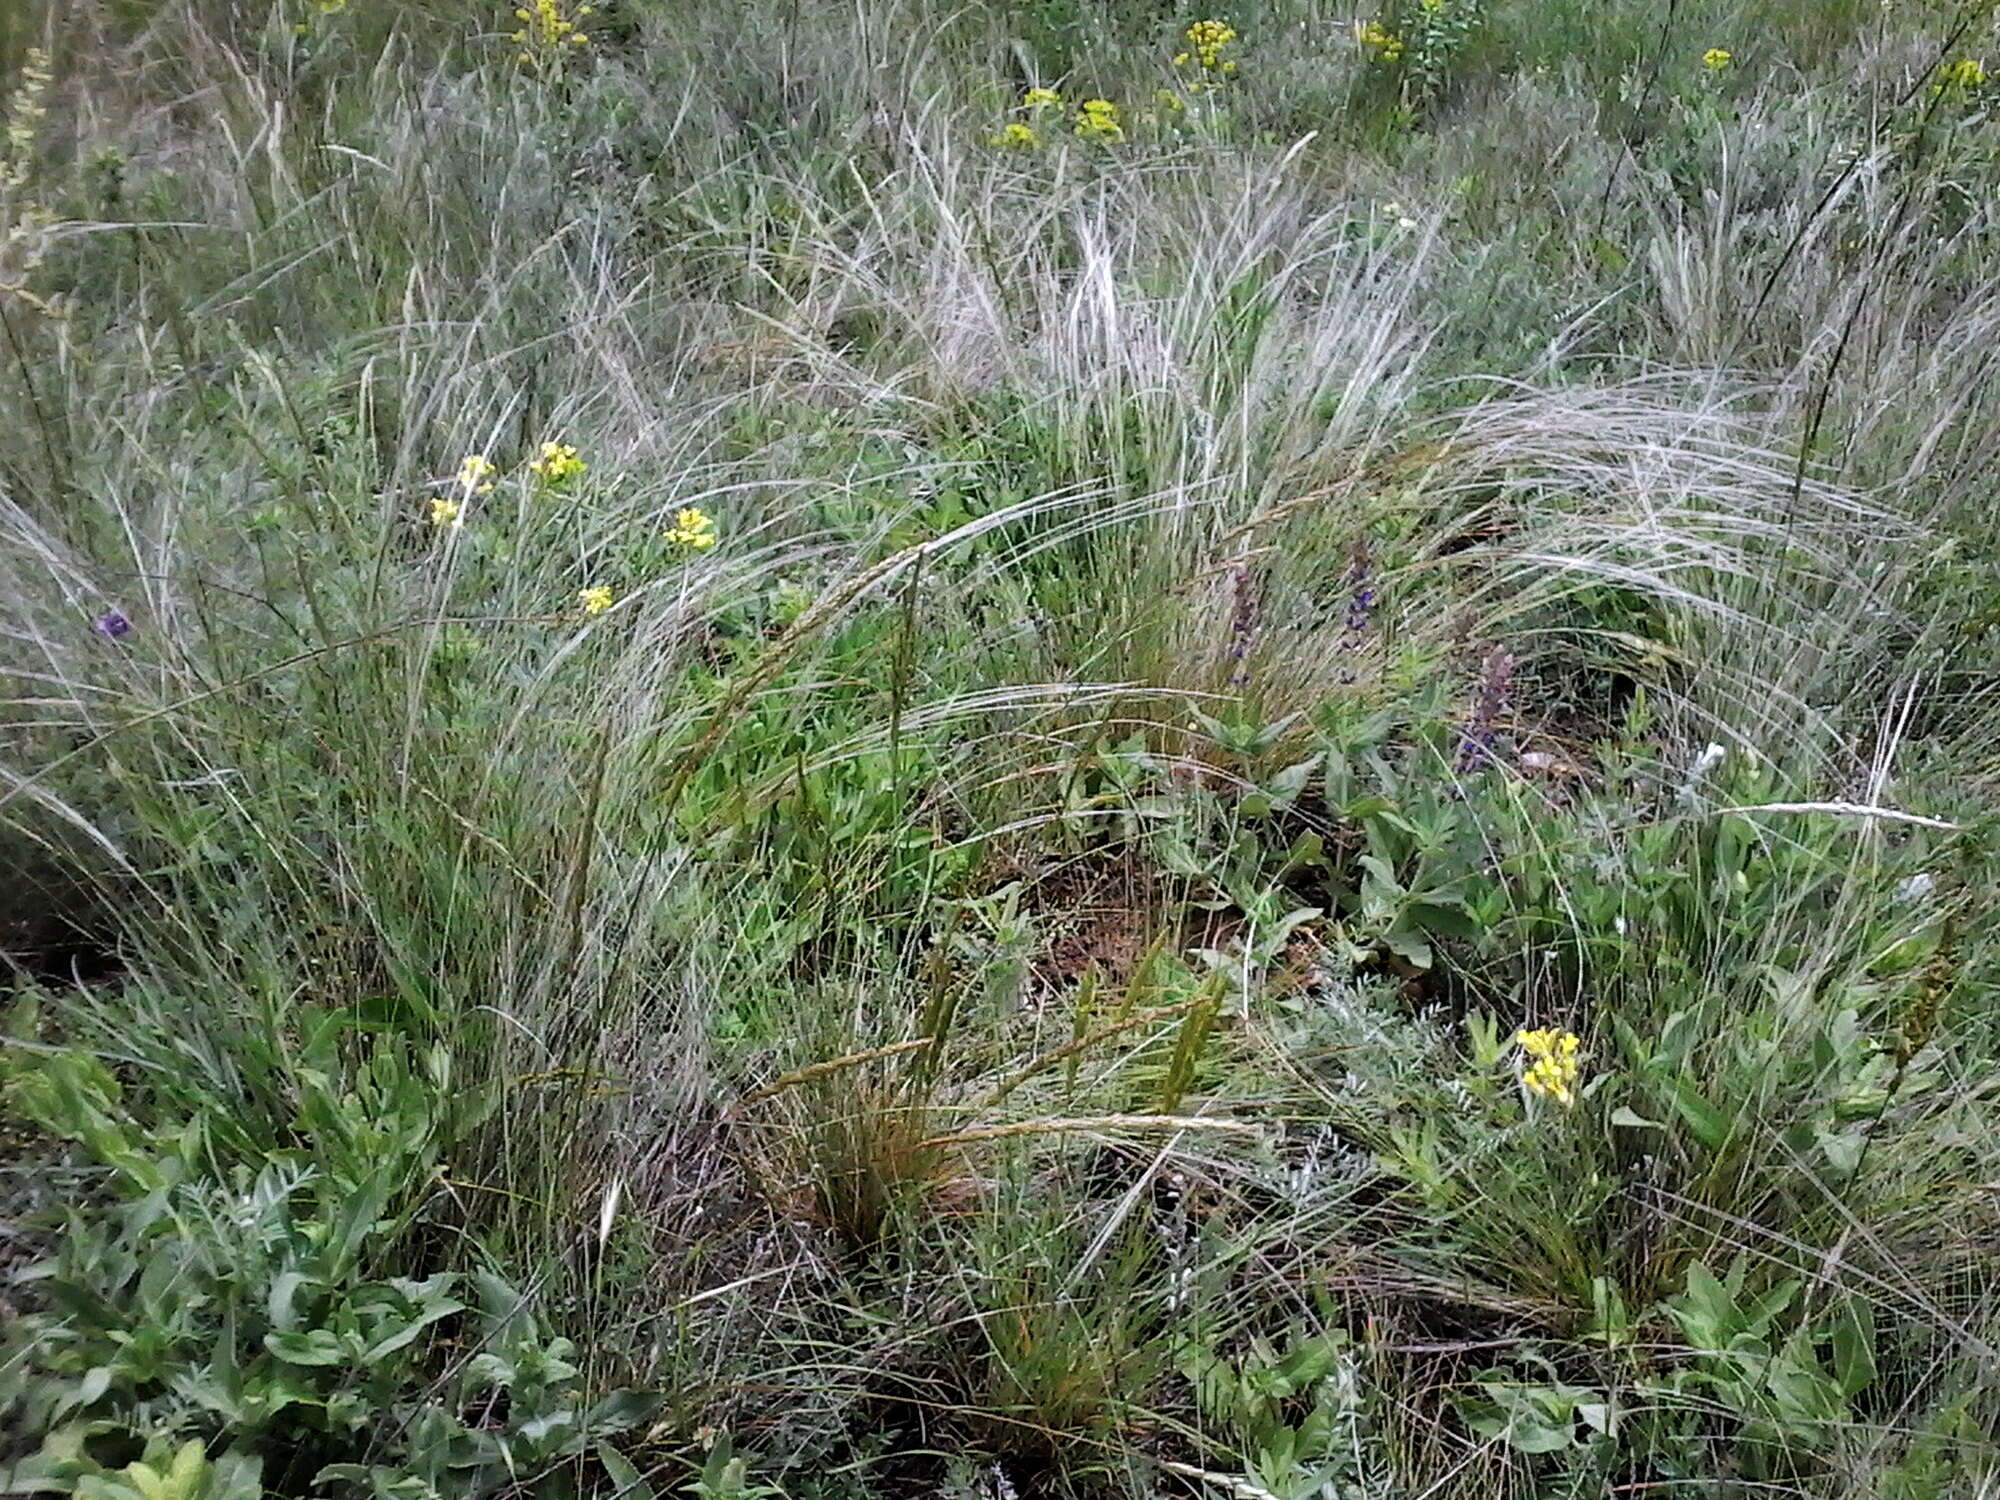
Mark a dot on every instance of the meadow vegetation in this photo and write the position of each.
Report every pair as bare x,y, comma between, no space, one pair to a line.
825,750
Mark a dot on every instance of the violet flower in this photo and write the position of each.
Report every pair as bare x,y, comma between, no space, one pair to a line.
1242,624
1476,743
1360,603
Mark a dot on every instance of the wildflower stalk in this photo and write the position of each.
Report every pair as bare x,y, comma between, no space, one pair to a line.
1242,623
1481,732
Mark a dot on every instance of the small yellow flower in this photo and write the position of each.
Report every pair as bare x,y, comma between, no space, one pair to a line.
693,529
1097,120
556,464
1041,99
330,7
594,601
1018,135
447,512
475,474
1168,100
1385,44
1715,59
1552,1067
1965,74
548,33
1206,41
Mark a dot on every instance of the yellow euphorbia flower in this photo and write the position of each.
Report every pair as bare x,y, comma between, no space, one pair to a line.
557,462
693,529
475,474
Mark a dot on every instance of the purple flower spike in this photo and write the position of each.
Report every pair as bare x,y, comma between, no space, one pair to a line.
112,625
1481,733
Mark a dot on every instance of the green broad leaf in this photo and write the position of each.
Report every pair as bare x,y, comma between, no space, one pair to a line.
383,1483
553,1432
1412,947
1609,1322
1378,872
1308,1364
89,1390
1598,1416
1285,787
1439,915
1307,850
189,1465
403,1337
1854,1347
235,1476
1766,1309
1177,858
621,1411
1525,1435
1710,1126
1841,1148
318,1347
1707,1311
627,1482
263,1398
284,1291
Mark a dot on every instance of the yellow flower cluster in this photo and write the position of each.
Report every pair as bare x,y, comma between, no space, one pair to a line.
447,512
1097,120
1553,1068
693,529
557,464
475,474
1206,42
1715,59
594,601
1962,76
547,35
1040,99
1018,135
1385,44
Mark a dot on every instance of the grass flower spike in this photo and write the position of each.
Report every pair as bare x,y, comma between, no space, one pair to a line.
23,111
556,464
1552,1067
594,601
693,529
